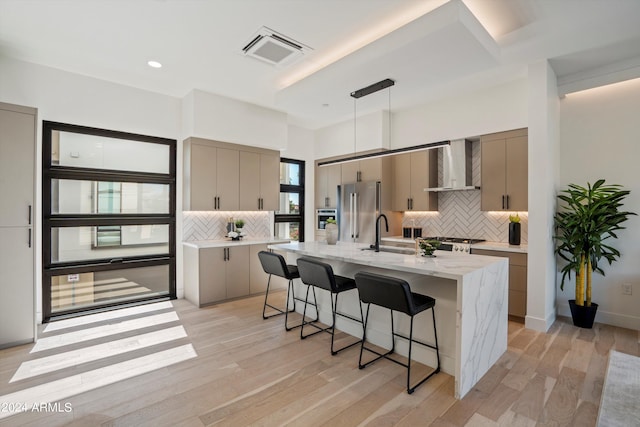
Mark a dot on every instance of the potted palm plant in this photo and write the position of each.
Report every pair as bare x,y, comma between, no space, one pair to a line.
586,219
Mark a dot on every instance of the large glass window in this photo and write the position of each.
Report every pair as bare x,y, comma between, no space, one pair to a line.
108,219
289,218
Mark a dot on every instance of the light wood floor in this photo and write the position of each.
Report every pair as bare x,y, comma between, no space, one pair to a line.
249,371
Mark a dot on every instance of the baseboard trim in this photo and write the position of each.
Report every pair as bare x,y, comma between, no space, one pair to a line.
606,317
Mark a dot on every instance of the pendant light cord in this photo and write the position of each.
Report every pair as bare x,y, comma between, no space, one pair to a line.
354,126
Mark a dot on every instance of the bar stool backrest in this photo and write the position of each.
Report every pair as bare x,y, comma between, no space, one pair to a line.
275,264
317,273
385,291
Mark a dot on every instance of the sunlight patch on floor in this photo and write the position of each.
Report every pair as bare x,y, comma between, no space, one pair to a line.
66,387
67,359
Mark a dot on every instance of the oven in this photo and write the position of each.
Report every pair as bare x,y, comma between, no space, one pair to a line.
322,215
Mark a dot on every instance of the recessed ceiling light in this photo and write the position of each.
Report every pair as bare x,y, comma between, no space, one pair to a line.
154,64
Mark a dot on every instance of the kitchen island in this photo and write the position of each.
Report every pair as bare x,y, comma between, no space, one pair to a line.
471,308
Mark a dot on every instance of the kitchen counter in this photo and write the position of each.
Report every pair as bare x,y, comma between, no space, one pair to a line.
471,310
202,244
493,246
220,270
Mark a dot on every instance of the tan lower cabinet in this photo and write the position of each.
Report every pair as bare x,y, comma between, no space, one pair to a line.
215,274
517,279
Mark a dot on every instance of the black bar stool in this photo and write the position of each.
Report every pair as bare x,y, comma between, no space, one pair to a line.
318,274
395,294
274,264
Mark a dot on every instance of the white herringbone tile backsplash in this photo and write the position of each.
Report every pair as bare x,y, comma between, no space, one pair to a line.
213,225
459,213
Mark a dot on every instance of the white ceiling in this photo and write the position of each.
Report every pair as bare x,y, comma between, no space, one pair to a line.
431,48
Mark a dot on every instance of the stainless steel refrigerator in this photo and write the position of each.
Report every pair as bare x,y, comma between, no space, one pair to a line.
358,207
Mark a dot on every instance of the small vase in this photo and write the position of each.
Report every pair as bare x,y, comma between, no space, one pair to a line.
331,232
514,233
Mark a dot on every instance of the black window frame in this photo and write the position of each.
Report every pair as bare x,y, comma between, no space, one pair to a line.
288,188
51,221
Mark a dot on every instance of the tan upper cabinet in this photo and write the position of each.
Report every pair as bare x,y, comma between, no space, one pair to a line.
17,153
259,181
229,177
504,163
213,178
327,180
362,170
412,173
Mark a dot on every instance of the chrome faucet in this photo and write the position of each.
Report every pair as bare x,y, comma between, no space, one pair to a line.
376,245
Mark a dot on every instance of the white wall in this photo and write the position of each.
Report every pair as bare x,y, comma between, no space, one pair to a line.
71,98
371,133
224,119
599,132
477,113
543,177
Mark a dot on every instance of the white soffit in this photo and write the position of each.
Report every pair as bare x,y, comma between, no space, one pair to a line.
438,48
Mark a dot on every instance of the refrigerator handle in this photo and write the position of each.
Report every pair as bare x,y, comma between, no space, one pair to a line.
351,214
355,215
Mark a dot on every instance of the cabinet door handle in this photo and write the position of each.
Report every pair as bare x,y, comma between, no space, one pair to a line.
29,237
507,201
326,202
228,254
408,204
29,217
503,201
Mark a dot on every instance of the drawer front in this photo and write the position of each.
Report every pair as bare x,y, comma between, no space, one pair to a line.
517,303
515,258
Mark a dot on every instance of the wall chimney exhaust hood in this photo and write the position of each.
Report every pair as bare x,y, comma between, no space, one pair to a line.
456,165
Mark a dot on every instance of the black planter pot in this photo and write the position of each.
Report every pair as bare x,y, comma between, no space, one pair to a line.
514,233
582,315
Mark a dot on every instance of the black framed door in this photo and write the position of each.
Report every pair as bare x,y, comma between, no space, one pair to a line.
109,226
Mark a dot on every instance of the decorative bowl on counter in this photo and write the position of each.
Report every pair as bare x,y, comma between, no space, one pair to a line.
234,235
428,247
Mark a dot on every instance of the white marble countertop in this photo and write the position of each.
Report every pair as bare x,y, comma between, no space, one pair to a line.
500,246
445,264
492,246
202,244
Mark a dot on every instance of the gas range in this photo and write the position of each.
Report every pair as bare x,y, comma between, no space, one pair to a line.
458,245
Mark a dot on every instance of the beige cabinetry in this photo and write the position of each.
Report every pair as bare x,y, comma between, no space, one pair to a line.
327,180
213,178
412,173
504,171
229,177
17,169
517,279
362,170
219,273
259,181
215,274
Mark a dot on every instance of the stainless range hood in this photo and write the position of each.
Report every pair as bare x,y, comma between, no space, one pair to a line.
456,164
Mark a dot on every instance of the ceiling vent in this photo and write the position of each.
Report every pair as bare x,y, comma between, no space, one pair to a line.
274,48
